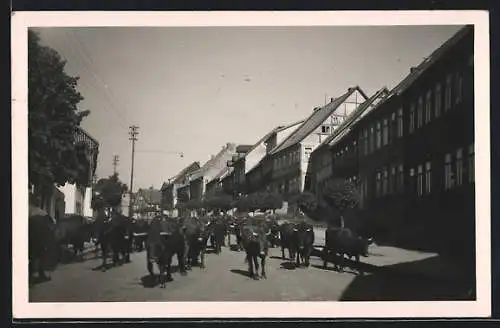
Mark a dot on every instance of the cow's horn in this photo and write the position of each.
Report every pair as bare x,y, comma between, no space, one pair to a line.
268,233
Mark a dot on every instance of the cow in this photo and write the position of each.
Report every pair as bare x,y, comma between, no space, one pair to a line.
254,240
165,239
140,234
274,236
115,234
218,231
287,240
42,244
73,230
341,242
196,233
303,238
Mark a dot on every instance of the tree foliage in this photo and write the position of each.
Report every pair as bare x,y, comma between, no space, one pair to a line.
338,199
108,192
270,201
53,116
220,201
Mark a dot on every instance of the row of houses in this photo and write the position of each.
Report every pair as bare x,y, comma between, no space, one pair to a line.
71,198
409,150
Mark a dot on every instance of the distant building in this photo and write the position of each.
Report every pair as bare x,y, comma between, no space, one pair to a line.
73,198
170,189
147,203
199,179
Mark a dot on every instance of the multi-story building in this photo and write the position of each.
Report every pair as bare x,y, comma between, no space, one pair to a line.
285,166
250,166
199,179
78,196
415,155
170,189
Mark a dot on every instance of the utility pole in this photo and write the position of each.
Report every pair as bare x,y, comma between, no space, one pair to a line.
115,163
133,137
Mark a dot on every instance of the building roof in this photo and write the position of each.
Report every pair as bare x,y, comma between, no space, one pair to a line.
428,61
179,177
314,120
355,116
222,174
226,151
275,130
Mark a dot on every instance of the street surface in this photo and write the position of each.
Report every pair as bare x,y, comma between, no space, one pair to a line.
225,279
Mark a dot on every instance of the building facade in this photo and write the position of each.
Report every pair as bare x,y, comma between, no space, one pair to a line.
170,190
412,156
284,169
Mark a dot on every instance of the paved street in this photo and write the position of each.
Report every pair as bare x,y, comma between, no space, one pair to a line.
225,279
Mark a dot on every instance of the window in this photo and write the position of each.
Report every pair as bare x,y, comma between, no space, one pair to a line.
428,181
365,141
470,166
385,135
392,180
411,128
447,93
385,182
307,152
401,178
420,181
361,143
392,127
377,183
412,180
459,165
325,129
428,107
372,138
275,163
448,173
379,136
420,110
437,100
400,122
459,81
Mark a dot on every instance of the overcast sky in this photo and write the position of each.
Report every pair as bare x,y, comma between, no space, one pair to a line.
191,90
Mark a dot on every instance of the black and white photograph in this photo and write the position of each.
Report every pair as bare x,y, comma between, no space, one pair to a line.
285,164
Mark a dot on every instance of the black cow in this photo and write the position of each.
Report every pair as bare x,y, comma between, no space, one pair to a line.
42,244
274,236
254,240
165,239
140,234
219,230
74,230
287,240
196,233
303,238
115,234
344,241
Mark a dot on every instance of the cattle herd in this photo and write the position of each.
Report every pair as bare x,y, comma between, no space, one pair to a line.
187,239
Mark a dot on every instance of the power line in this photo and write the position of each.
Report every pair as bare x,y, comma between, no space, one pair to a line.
133,137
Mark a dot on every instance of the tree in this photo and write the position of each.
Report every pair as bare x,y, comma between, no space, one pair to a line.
108,192
270,201
53,117
338,198
222,202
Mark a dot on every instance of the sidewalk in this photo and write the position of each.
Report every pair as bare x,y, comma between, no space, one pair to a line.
395,260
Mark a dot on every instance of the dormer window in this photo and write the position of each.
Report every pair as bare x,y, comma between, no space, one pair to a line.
325,129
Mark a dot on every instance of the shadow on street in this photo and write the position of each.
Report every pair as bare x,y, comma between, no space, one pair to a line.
288,265
241,272
392,283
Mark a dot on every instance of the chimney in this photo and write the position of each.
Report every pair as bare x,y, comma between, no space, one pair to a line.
412,69
332,99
